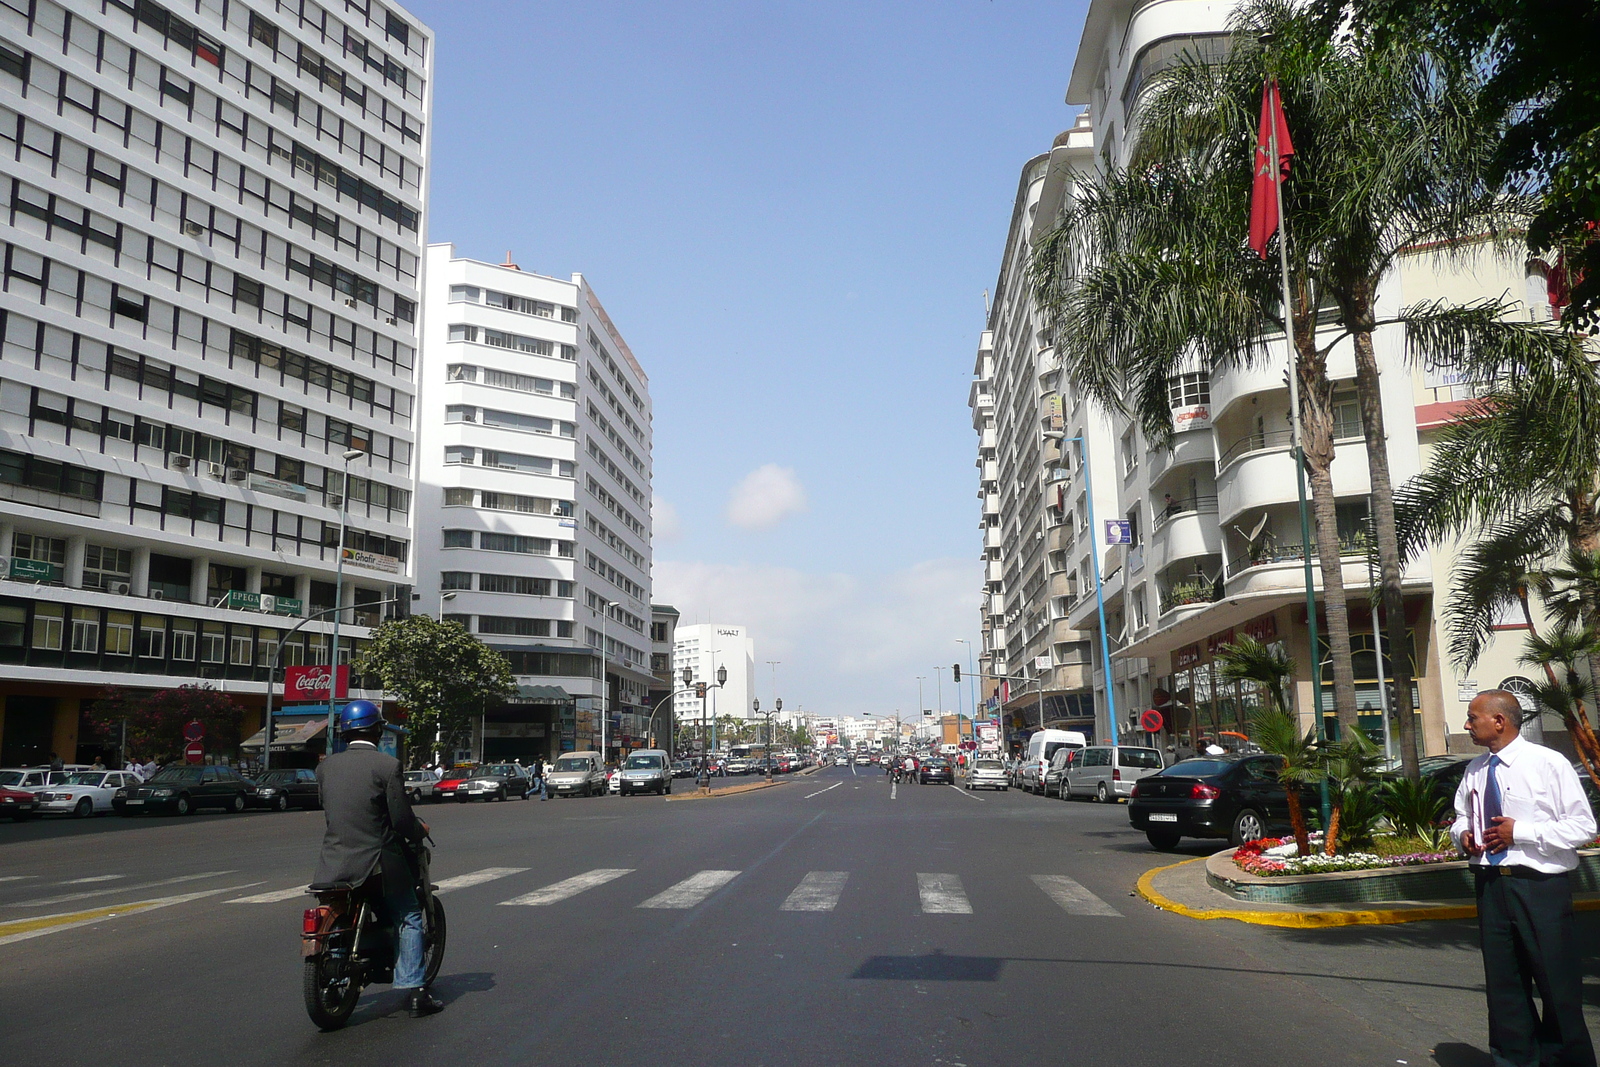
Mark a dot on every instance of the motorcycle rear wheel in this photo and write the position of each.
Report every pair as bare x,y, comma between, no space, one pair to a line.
433,941
331,988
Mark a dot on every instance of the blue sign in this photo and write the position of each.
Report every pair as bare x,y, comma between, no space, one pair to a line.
1119,532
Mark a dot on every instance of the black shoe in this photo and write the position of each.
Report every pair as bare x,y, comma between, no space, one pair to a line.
421,1002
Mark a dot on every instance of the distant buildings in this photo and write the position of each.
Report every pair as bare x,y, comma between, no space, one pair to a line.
704,649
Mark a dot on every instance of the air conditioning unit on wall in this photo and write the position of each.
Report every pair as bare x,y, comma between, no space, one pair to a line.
118,588
215,470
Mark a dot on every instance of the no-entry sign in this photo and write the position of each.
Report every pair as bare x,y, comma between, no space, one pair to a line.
194,730
1151,721
194,752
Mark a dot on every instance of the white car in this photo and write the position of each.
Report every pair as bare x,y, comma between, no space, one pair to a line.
614,781
988,774
84,793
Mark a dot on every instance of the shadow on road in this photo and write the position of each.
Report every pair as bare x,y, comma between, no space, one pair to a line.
1455,1054
932,968
52,827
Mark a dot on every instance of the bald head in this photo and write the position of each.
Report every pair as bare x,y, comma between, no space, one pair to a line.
1494,718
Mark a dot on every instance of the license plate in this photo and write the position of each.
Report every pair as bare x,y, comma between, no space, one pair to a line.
133,803
1162,816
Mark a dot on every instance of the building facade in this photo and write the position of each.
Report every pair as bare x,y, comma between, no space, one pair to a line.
663,635
533,504
703,649
212,253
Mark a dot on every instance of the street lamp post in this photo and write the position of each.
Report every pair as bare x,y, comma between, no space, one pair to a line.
442,598
338,593
972,690
605,687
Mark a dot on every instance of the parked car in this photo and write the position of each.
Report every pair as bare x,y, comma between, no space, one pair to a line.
18,804
682,768
988,774
84,793
740,766
285,787
30,779
187,789
647,771
420,785
1107,772
1234,797
1042,747
496,781
936,769
450,783
577,774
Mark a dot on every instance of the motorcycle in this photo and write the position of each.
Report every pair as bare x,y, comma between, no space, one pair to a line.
347,944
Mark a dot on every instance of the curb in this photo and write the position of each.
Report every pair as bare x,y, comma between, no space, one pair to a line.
730,791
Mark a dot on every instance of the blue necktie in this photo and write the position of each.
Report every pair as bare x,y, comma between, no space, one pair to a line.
1491,808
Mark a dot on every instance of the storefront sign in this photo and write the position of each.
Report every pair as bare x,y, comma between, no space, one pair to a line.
371,561
282,605
1186,656
34,570
239,600
1264,629
1119,532
1215,642
311,683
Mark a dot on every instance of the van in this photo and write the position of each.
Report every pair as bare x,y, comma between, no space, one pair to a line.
1107,772
1041,747
577,774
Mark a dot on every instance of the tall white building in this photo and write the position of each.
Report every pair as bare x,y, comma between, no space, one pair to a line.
211,259
533,504
703,649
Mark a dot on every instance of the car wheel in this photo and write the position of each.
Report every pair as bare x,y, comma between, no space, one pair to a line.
668,789
1163,840
501,795
1102,794
237,804
181,806
416,796
1247,826
281,804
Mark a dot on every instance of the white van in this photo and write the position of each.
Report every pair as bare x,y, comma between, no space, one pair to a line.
1041,746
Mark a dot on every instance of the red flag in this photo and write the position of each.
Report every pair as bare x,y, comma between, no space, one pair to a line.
1263,196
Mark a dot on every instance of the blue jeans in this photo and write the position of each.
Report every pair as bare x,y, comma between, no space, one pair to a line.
405,912
544,793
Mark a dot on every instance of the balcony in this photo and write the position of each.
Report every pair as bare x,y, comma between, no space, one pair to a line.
1188,534
1193,592
1270,566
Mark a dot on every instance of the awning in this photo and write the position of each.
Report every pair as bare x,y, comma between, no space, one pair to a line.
286,736
542,694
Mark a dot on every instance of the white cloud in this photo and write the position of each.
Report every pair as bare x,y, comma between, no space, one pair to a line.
664,523
765,497
847,644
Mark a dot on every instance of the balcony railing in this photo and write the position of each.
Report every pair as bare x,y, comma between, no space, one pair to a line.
1270,552
1175,507
1197,591
1256,442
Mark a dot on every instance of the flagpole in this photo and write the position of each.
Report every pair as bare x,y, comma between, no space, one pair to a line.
1294,426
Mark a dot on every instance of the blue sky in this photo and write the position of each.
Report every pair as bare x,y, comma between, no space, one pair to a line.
791,211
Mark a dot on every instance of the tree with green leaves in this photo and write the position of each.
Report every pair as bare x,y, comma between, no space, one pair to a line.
441,675
1148,272
155,718
1273,725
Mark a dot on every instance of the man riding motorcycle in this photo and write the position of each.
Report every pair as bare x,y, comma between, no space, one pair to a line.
370,823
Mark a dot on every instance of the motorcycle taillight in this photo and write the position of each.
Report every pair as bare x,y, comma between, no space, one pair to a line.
312,922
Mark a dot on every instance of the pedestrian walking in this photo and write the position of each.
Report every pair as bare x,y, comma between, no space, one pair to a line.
55,763
1520,817
99,764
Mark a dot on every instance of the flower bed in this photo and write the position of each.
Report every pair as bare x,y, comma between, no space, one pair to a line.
1276,856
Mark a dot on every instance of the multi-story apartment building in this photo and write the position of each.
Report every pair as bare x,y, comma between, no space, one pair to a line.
211,254
663,635
704,649
1216,546
533,504
1034,434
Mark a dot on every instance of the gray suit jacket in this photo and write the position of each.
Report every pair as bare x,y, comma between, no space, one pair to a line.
368,815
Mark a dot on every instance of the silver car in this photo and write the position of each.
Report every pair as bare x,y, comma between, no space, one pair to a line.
84,793
988,774
1107,773
577,774
649,770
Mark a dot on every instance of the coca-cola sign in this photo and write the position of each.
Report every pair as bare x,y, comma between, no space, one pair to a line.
311,683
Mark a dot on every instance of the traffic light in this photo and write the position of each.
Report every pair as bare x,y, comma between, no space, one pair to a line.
955,671
700,690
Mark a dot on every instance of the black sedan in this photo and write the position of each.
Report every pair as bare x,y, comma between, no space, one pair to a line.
1233,797
496,781
936,770
186,789
287,787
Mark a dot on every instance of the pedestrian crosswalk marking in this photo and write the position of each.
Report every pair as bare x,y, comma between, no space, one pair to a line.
273,897
817,891
692,890
67,898
943,894
464,881
93,878
569,887
1072,896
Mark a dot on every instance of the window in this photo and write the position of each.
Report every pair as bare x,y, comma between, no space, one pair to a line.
104,567
457,497
212,644
242,649
513,583
50,476
455,580
48,623
14,64
457,538
13,625
461,372
1346,417
518,627
1130,455
496,542
119,633
460,413
1189,390
152,639
468,293
263,31
459,454
182,639
85,630
38,548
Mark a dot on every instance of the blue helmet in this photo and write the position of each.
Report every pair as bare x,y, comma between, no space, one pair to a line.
359,715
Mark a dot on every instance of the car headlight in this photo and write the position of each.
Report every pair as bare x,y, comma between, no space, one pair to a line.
266,791
121,794
161,792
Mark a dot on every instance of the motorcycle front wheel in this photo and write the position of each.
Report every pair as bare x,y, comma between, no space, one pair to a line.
331,987
433,941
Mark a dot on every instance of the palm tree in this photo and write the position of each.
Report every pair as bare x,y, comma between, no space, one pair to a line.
1273,726
1351,767
1391,153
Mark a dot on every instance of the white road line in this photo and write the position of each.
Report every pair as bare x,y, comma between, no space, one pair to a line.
100,915
93,878
67,898
819,792
466,881
942,894
692,890
1072,896
893,789
964,793
817,891
16,877
570,887
270,898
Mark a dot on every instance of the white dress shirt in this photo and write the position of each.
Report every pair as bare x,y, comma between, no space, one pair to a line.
1541,792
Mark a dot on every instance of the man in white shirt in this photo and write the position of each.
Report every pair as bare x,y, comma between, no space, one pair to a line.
1521,816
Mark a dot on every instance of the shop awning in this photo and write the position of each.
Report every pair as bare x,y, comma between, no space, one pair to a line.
542,694
289,735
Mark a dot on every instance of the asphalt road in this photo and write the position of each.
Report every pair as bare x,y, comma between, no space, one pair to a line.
831,920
